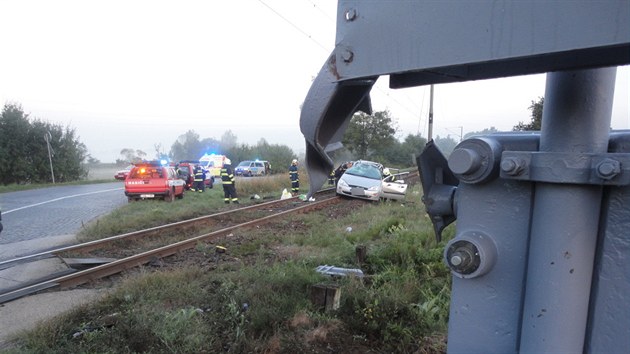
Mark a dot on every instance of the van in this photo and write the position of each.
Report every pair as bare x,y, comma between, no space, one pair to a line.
251,168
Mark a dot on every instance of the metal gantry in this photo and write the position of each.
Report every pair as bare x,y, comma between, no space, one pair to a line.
540,255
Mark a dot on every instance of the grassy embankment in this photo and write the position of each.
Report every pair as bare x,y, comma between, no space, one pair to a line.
259,302
101,173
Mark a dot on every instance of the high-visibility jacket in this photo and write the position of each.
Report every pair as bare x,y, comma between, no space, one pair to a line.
293,173
227,175
199,175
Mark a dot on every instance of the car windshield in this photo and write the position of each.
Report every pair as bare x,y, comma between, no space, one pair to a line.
365,170
243,163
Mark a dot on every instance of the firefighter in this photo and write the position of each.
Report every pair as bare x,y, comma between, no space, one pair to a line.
387,173
293,176
331,178
228,182
200,176
341,170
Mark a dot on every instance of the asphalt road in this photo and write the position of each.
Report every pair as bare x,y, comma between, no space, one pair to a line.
54,211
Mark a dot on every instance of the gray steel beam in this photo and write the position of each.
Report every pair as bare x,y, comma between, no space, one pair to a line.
565,219
428,42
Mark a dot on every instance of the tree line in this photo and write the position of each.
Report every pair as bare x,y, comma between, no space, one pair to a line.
25,143
28,146
370,137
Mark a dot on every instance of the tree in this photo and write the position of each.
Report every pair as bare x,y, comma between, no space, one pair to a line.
228,140
24,146
368,136
186,147
132,156
536,109
446,145
486,131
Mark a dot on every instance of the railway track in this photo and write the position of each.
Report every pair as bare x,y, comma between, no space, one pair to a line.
188,234
137,248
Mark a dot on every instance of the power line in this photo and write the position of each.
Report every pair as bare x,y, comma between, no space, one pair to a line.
295,26
299,29
322,11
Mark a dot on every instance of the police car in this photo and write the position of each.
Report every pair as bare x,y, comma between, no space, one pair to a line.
153,180
252,168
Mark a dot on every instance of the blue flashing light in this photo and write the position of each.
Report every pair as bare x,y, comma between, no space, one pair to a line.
164,162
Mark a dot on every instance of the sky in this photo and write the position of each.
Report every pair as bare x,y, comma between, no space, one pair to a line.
138,74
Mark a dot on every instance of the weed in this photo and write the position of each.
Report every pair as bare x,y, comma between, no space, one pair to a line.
264,303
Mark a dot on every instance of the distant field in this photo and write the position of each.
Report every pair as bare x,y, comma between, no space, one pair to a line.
102,171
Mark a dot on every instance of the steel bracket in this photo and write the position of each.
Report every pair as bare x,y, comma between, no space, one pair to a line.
610,169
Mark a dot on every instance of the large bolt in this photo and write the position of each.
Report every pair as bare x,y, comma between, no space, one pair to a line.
351,14
462,257
347,55
608,169
513,166
464,161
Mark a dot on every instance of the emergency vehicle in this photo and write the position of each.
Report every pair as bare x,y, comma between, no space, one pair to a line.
252,168
212,163
149,180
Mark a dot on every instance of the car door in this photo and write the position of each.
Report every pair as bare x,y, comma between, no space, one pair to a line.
393,188
259,169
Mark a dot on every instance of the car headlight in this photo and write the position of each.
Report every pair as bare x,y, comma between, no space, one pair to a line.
342,183
373,189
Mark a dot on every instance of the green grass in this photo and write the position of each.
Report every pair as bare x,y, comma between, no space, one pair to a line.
260,301
149,213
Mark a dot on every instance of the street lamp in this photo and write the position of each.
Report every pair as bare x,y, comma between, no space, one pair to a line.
47,137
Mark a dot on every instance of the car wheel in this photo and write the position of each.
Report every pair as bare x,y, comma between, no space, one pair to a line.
130,199
181,196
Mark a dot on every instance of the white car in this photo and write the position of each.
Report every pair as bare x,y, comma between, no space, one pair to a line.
365,180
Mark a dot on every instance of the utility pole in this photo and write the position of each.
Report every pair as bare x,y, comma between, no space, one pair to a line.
47,137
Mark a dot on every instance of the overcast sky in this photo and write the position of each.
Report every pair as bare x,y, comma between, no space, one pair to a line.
133,74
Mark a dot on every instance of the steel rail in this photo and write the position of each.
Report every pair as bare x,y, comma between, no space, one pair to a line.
118,266
91,245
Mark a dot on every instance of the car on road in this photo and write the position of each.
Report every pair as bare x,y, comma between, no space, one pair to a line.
365,180
153,180
122,174
251,168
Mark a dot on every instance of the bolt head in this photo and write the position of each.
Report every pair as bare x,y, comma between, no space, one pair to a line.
512,166
351,15
608,169
347,55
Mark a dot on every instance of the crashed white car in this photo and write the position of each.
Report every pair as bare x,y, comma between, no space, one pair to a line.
365,180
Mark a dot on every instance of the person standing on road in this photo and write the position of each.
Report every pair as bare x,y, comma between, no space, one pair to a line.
199,183
228,182
293,176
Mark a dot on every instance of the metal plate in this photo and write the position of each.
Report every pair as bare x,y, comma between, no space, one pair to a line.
357,191
147,195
